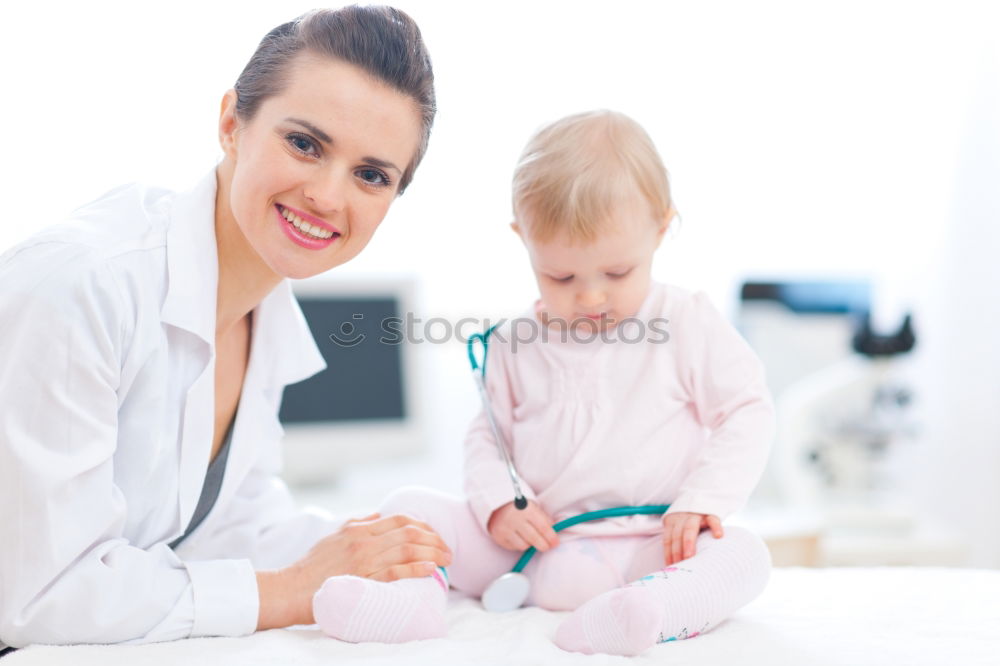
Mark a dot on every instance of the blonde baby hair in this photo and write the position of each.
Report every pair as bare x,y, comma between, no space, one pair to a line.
576,170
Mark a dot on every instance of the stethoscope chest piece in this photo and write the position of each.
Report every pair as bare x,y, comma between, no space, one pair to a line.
506,593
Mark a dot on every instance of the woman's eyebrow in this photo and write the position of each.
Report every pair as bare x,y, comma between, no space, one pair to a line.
320,134
325,138
382,164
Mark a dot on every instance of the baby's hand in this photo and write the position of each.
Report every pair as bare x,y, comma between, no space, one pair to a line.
680,530
517,529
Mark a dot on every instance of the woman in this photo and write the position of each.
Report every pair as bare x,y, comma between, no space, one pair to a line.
145,346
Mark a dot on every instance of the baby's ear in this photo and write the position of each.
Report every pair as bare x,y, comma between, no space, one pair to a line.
665,223
669,218
516,228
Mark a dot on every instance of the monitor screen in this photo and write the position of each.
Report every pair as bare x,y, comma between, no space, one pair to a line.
364,378
365,405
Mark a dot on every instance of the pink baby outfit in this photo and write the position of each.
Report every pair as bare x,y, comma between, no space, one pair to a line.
681,417
669,407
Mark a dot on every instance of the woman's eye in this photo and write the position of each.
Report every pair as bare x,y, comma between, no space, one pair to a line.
303,144
373,177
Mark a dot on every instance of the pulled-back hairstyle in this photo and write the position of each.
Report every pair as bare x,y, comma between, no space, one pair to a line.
382,41
575,171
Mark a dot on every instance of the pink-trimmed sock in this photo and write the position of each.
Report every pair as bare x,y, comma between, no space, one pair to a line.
359,610
625,621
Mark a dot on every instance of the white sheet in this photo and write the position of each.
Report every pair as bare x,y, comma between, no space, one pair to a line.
806,617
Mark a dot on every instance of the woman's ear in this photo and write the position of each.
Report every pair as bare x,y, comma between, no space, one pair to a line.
228,124
516,228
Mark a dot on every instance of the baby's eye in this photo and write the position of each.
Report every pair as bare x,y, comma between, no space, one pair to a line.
373,176
562,279
617,276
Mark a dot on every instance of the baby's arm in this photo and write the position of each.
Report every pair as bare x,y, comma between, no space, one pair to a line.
487,483
726,384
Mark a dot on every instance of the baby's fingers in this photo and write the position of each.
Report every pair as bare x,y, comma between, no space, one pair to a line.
689,535
530,533
667,534
677,541
543,526
715,525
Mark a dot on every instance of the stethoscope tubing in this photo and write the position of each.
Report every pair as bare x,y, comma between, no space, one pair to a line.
590,516
478,374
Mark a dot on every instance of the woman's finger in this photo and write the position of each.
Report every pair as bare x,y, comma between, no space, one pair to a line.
400,571
396,521
368,518
415,533
408,553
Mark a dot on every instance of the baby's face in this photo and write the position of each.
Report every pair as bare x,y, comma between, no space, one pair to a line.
600,283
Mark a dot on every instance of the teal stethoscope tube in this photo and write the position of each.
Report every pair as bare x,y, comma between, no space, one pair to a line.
593,515
479,375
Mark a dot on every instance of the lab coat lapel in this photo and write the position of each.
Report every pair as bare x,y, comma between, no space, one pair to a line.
282,352
292,354
189,307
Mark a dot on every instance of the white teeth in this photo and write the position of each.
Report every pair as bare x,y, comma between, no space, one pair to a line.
305,227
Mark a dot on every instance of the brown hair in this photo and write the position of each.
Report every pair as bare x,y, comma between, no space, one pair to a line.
383,41
575,171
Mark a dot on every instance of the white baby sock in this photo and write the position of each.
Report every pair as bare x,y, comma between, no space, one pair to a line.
359,610
678,602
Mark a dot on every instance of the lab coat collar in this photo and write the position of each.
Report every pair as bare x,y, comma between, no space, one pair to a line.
192,261
193,273
281,328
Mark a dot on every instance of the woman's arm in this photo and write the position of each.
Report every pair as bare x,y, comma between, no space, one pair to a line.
384,549
67,574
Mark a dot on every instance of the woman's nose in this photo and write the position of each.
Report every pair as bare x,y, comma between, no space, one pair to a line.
328,193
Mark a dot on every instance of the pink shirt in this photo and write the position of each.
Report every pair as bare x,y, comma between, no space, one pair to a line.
670,407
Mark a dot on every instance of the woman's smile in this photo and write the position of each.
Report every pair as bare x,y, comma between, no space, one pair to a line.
305,230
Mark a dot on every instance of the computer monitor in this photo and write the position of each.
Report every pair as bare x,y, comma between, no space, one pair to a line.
363,406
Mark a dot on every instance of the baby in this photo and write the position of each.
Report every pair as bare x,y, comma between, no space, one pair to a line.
612,390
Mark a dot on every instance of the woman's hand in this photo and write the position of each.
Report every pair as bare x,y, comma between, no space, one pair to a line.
680,530
383,549
517,529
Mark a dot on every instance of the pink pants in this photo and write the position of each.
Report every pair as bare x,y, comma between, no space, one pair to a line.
563,578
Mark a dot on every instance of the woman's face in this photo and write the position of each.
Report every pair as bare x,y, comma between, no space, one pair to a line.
315,170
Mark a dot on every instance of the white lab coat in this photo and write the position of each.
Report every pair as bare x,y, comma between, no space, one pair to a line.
107,366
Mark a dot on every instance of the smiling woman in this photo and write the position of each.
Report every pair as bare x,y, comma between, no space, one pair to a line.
316,165
147,342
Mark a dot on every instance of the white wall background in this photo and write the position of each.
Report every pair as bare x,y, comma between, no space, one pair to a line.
803,138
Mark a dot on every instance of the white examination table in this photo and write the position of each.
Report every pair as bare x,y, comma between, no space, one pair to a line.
806,617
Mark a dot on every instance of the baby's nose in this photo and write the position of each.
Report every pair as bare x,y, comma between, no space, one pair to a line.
591,298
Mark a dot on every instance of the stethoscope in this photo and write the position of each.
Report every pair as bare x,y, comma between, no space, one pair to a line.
510,590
